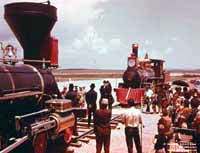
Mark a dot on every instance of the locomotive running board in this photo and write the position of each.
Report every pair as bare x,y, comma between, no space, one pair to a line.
20,94
17,143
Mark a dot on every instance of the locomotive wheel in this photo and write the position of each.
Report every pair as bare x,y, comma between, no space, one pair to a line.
40,143
68,135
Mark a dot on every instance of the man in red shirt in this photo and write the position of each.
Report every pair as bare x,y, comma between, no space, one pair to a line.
102,127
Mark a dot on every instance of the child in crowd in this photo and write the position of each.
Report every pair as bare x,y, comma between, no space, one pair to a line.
160,140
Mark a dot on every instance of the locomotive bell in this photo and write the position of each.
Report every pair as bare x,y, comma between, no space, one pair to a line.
31,23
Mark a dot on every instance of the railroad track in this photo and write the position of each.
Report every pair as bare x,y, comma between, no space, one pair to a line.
86,134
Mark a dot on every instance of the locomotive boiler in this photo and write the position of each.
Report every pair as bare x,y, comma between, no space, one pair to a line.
138,75
31,108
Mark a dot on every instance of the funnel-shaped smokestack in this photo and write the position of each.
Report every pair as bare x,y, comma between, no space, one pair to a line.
31,24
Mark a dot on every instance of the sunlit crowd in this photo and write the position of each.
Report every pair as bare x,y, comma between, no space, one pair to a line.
179,108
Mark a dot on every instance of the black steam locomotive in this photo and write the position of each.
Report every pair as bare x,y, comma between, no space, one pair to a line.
31,108
138,75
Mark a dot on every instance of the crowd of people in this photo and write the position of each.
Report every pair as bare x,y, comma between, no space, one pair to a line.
179,109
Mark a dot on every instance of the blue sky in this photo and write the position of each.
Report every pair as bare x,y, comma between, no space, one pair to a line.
99,33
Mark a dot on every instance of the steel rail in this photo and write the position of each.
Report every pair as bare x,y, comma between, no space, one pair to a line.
75,139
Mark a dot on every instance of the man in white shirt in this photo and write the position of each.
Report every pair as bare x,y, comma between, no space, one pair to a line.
132,120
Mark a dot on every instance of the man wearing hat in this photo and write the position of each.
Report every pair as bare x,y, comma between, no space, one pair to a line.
106,92
91,98
73,96
132,120
102,127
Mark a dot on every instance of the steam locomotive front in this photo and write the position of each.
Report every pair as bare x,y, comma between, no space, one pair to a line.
135,76
25,88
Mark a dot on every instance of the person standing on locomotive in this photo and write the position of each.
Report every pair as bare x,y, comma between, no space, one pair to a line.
132,120
91,98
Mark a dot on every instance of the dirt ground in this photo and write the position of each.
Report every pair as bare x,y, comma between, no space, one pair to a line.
118,144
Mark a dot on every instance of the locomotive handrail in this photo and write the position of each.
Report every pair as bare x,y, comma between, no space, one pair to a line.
20,90
19,94
24,60
32,114
18,142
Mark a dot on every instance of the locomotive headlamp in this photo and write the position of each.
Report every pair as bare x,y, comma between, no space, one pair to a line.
131,62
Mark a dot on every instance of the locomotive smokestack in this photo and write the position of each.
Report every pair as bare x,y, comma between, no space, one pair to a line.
135,50
31,23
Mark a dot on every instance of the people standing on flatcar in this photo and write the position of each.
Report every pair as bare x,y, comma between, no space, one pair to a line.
102,128
132,120
91,98
73,96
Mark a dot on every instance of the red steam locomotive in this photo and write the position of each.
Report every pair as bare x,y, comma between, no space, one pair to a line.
31,108
138,75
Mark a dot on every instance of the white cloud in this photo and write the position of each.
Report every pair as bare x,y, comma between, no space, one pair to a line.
148,42
102,51
174,38
78,11
90,39
115,42
77,44
168,50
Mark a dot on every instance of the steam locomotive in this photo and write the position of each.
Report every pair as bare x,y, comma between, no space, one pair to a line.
138,75
31,108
